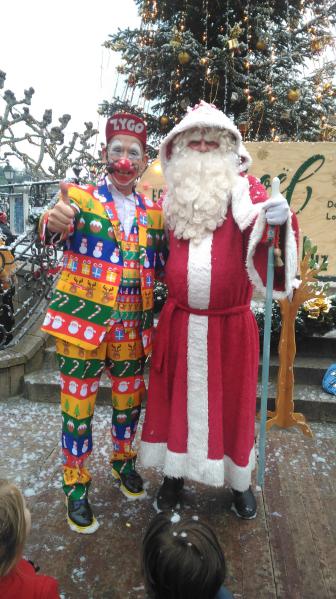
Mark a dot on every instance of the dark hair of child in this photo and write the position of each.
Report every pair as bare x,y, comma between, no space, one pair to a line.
181,560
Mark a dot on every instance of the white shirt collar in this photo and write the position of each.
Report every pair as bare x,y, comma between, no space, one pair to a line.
118,195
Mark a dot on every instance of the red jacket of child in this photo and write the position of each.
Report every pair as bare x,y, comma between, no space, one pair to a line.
23,583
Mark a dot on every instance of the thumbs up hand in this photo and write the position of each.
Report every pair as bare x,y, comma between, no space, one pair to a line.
60,218
276,209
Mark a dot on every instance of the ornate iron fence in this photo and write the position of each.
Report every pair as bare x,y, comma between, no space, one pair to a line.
28,269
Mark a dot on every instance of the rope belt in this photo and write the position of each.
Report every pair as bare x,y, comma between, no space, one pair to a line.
162,337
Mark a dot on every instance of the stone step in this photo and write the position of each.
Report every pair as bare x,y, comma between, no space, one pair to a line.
311,400
308,370
318,346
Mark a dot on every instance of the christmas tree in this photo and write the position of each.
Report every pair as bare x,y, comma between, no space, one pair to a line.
268,65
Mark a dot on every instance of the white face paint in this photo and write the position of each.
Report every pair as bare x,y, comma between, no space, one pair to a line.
124,149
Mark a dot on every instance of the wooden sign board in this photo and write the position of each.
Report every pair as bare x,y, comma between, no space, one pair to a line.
308,180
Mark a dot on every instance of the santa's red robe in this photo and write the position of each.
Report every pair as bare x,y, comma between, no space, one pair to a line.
200,414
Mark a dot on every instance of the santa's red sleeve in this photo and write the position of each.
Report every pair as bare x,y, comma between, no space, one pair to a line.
257,246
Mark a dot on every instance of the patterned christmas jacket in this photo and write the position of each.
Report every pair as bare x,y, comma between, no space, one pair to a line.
83,302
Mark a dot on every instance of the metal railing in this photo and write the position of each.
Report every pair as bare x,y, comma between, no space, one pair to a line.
28,270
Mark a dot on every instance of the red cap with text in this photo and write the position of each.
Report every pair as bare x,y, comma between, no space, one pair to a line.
123,123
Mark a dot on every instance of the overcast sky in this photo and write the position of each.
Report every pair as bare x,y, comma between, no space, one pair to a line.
56,48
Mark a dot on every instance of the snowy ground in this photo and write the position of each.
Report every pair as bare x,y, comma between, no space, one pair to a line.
106,565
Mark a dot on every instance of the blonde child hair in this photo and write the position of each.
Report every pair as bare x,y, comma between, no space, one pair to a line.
13,526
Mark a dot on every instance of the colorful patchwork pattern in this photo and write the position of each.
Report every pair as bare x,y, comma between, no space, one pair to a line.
100,268
81,370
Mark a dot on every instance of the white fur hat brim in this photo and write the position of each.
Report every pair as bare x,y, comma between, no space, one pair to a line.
245,158
203,115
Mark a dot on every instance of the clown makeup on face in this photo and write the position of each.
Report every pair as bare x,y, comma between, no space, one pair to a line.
127,158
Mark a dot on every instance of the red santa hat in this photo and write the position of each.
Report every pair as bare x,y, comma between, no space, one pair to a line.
203,115
123,123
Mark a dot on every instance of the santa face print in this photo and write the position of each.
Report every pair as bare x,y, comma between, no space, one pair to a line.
57,323
74,327
47,320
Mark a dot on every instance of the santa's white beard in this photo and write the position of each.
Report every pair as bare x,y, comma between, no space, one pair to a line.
199,191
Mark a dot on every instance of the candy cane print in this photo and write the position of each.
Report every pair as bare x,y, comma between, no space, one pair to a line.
61,362
56,299
95,313
87,366
75,366
82,305
100,369
65,301
127,365
138,370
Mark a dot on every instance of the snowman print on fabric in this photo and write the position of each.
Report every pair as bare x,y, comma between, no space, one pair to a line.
146,261
98,250
115,256
83,248
74,450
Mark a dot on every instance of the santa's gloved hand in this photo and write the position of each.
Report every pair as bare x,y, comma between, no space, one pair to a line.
276,209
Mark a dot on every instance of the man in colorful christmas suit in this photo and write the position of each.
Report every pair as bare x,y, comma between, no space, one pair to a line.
200,414
101,311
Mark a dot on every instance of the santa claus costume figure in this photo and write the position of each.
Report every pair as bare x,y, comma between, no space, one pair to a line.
201,406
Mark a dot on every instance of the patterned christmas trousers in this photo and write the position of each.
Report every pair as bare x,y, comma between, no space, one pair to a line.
121,355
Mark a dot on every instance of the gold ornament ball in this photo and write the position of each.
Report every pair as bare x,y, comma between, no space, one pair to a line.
204,60
293,95
184,57
327,86
261,44
164,121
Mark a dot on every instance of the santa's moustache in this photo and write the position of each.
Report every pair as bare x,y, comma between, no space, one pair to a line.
199,190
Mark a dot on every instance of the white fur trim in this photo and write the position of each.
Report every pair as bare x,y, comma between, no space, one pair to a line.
210,472
243,209
197,393
199,284
245,158
203,116
290,258
199,273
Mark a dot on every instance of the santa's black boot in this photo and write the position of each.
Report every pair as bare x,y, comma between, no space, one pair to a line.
169,493
244,504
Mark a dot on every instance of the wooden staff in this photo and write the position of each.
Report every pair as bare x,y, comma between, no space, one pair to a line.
267,342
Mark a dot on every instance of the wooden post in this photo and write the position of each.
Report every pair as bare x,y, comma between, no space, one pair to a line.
284,415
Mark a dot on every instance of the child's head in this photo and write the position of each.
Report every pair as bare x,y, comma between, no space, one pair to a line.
181,560
14,525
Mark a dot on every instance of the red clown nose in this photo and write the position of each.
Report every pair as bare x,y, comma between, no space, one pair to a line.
125,166
122,166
